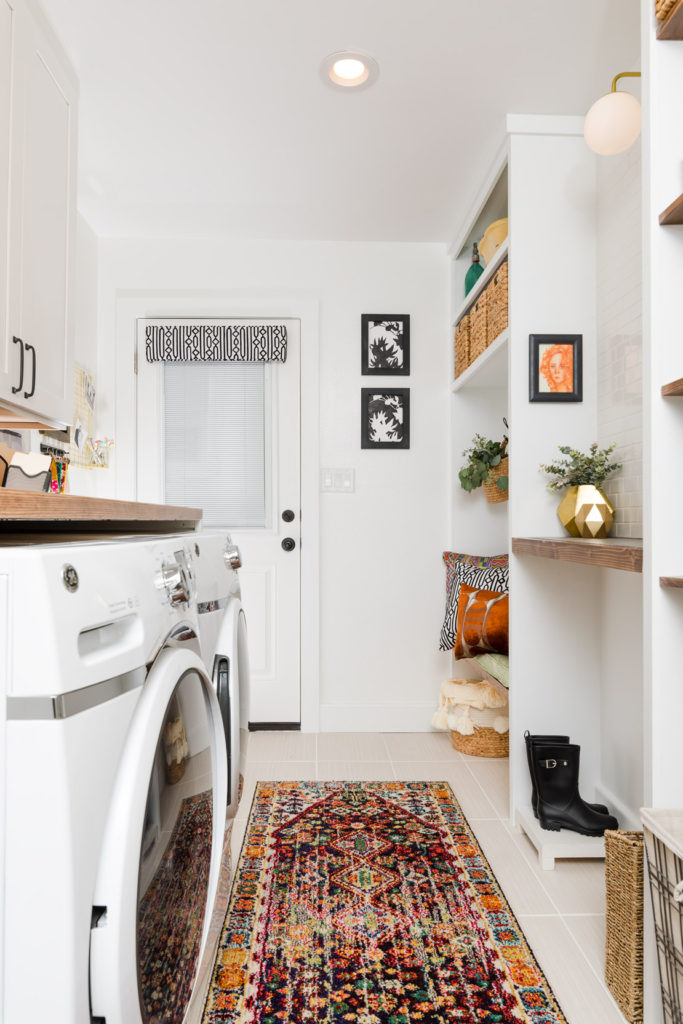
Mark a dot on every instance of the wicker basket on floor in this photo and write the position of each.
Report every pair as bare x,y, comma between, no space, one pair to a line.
624,939
461,344
482,743
493,492
478,326
497,319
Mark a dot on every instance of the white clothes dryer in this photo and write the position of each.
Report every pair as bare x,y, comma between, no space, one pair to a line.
116,844
223,638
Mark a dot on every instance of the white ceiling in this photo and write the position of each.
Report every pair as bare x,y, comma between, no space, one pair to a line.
208,117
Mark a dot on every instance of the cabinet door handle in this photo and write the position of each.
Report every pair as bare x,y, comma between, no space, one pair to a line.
19,342
29,394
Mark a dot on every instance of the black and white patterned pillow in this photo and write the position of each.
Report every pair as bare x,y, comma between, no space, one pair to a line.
486,572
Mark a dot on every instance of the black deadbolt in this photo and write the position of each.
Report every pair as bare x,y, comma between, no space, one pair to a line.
288,515
289,544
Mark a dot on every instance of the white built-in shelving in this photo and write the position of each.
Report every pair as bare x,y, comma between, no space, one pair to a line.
489,370
499,257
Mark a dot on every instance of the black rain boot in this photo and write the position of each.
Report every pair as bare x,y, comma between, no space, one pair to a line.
556,767
530,740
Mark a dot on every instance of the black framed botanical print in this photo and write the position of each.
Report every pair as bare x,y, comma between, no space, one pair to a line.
555,368
385,343
385,418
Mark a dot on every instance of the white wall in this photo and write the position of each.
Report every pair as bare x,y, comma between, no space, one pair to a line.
620,332
380,568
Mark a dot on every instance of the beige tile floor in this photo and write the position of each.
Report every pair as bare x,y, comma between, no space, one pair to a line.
561,911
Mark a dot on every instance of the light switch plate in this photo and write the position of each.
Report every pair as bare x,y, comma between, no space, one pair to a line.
338,481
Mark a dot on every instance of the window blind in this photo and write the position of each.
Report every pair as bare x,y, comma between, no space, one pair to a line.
214,440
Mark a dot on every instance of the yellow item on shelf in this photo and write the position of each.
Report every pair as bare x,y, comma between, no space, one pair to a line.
494,236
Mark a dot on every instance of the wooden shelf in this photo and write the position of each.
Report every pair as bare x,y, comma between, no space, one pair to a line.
672,28
489,370
612,553
674,389
675,582
673,213
472,296
28,510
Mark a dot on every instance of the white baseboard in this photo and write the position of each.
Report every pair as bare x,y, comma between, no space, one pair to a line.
410,717
628,819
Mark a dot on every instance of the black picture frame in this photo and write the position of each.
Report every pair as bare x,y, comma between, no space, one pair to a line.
552,376
381,405
385,344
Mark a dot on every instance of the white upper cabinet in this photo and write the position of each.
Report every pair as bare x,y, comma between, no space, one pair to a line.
36,364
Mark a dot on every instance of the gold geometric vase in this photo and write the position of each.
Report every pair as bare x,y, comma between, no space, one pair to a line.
585,512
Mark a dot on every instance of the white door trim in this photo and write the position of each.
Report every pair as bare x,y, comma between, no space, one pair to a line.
304,306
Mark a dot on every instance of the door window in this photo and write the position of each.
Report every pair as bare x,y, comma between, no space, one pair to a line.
214,438
175,857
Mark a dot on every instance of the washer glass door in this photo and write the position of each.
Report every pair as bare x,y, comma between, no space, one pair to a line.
175,856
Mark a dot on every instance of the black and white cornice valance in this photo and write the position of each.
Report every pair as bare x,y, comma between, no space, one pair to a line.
176,341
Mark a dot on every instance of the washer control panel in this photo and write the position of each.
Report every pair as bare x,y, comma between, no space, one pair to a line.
174,579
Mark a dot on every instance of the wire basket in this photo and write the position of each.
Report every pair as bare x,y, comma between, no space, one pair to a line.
624,919
664,846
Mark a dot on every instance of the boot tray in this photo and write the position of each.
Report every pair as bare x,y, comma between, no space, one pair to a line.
558,845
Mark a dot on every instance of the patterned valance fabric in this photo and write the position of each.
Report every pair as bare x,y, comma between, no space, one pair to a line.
176,341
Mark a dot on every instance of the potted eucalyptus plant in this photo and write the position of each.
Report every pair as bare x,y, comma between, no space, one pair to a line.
584,510
487,465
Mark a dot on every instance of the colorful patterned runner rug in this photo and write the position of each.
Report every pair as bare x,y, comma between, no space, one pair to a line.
370,903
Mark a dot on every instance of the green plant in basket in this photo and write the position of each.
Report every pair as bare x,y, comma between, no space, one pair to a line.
579,468
483,458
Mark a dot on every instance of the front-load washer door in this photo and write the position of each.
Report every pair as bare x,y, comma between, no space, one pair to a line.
163,849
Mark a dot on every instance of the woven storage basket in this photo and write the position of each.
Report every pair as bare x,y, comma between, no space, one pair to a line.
461,344
175,771
497,319
624,940
482,743
663,8
493,492
478,326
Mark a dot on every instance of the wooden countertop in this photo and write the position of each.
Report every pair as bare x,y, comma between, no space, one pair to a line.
29,510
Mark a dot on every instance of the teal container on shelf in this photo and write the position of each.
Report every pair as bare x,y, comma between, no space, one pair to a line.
475,271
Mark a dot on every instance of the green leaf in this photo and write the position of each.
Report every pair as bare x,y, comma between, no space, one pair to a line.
502,482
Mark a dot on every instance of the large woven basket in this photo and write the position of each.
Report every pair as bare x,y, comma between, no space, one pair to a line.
478,326
461,342
663,8
497,319
482,743
494,493
624,939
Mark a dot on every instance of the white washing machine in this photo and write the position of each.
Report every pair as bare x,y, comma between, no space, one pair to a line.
116,829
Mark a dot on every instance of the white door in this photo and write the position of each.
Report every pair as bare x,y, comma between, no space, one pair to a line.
225,437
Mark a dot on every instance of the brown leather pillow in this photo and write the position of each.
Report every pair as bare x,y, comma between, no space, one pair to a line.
482,622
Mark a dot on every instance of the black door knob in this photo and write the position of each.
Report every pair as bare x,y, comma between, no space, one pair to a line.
288,515
289,544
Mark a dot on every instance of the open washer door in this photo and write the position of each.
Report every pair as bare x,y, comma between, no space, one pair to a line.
231,680
163,851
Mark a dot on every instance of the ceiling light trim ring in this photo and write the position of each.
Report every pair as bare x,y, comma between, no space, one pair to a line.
363,80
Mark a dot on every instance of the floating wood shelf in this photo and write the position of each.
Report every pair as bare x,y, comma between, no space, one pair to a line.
673,213
26,510
608,554
675,582
672,28
673,390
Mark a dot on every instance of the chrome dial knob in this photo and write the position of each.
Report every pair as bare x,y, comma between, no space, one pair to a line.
173,579
232,557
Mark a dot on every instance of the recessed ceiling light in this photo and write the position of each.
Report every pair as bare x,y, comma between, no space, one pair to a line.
349,70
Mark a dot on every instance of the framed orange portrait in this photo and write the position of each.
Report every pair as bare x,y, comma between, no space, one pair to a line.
555,368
